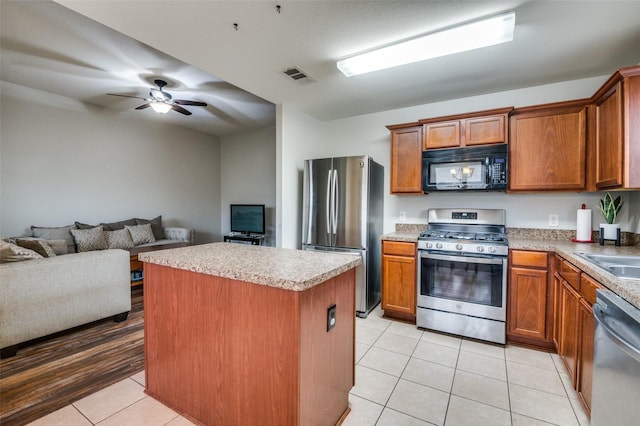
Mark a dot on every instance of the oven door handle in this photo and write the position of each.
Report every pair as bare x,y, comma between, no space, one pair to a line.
470,259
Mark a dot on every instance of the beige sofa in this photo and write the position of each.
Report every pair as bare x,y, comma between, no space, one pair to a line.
43,296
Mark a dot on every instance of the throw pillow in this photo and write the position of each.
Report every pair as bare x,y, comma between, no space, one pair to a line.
59,233
14,253
59,246
81,225
39,246
114,226
120,238
90,239
141,234
156,226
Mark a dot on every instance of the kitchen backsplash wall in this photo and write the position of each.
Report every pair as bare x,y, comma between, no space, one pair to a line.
527,211
626,238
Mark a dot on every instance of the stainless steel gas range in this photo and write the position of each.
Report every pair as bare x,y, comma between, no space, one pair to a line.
462,273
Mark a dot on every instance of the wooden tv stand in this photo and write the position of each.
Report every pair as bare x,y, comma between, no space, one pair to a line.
136,265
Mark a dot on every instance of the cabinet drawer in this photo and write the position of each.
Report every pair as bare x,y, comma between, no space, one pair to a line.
399,248
535,259
588,287
571,274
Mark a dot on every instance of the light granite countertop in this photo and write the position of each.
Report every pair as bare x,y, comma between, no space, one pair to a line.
287,269
628,289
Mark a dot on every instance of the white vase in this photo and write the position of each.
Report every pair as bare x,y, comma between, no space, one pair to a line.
610,230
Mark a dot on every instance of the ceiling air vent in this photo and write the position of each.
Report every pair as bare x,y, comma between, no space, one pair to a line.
298,75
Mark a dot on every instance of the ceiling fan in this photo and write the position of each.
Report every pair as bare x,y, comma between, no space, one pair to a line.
162,102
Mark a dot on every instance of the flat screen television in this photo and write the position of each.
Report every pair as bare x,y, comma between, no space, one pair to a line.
247,218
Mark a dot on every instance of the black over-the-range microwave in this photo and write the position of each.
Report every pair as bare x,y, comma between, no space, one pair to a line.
481,168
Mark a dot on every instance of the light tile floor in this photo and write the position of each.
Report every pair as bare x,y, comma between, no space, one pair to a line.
404,377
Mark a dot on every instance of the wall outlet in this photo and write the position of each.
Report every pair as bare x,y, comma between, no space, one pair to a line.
403,216
553,220
331,317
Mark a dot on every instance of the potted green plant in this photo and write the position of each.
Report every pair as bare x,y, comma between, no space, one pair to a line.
609,207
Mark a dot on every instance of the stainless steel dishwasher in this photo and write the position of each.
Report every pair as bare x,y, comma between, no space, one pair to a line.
616,362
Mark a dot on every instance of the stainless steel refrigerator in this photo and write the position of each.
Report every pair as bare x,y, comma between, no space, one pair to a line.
342,212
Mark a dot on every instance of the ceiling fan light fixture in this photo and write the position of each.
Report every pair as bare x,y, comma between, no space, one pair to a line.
474,35
160,107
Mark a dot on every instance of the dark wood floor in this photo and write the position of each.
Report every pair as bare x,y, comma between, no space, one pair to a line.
55,371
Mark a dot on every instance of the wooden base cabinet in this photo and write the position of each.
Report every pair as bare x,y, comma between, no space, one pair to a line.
399,280
573,317
569,329
227,352
529,318
588,287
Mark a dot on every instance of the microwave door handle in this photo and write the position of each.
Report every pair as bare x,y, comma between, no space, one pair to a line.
489,170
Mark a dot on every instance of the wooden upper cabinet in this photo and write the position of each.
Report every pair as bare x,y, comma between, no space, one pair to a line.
406,158
616,131
608,139
547,149
442,135
477,128
486,130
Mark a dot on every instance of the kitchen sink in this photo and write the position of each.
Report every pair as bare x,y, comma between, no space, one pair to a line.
623,271
619,265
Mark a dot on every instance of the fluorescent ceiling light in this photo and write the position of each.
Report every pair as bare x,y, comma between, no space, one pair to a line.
160,107
474,35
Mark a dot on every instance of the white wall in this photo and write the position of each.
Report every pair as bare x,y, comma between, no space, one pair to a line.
248,175
298,137
367,134
62,161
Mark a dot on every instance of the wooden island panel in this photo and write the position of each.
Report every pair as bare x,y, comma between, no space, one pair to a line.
221,351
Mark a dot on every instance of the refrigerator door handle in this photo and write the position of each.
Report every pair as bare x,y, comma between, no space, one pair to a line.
329,202
336,198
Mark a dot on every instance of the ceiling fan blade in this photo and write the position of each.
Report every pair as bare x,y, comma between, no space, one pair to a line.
180,110
143,106
192,103
125,96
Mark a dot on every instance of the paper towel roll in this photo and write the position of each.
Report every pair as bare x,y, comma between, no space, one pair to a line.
583,226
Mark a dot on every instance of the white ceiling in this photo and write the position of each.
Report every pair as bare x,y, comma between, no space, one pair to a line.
48,47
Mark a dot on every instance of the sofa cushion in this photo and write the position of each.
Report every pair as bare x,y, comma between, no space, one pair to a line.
90,239
59,233
10,252
39,246
120,238
141,234
156,226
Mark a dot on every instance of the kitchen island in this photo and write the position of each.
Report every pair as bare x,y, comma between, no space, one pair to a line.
238,334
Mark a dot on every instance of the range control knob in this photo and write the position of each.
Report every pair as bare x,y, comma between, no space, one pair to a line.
429,245
492,249
480,249
458,246
438,245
